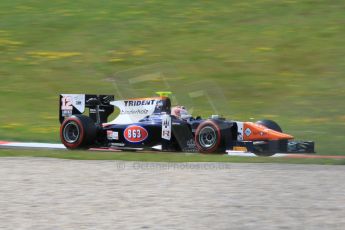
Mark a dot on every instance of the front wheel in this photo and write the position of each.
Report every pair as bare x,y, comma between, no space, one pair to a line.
78,132
208,137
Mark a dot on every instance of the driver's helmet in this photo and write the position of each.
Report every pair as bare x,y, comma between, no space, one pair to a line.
180,112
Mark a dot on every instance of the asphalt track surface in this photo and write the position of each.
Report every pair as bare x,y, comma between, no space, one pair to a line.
44,193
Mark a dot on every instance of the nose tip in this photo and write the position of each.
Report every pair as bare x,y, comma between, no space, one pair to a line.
279,135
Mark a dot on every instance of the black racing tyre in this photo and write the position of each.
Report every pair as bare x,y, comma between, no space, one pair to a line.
78,132
270,124
208,137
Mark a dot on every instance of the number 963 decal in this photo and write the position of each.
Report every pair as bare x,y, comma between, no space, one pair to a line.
135,133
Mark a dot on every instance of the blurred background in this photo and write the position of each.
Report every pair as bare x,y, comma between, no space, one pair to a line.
246,60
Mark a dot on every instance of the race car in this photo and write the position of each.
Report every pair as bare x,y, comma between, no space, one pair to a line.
153,124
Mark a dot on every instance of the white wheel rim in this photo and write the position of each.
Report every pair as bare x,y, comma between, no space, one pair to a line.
207,137
71,132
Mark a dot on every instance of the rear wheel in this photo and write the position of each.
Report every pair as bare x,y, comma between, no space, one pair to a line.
78,132
208,137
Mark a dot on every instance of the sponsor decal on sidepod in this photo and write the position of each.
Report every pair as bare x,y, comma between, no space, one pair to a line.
135,133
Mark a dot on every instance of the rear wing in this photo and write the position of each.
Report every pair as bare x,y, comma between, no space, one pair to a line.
73,104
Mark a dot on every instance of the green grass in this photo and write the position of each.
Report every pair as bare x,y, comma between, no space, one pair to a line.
159,157
283,60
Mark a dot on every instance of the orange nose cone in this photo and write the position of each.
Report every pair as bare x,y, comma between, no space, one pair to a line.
274,135
254,132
